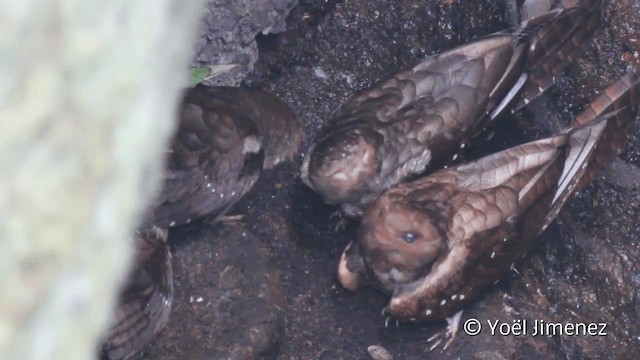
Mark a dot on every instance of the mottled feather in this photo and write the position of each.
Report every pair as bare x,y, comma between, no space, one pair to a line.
145,301
419,119
225,137
436,243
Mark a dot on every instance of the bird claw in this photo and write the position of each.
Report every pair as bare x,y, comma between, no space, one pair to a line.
449,334
387,319
435,345
513,268
342,220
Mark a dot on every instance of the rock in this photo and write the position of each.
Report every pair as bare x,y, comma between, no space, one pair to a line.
228,31
378,352
229,302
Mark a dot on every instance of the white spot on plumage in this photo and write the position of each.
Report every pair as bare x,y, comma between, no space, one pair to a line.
454,297
444,301
208,185
455,156
428,312
493,254
173,223
461,296
251,145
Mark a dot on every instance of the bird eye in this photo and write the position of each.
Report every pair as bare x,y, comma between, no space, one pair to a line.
410,236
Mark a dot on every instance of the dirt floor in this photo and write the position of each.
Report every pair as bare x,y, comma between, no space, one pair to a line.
282,256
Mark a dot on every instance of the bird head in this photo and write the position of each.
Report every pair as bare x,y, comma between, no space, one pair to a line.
399,241
340,165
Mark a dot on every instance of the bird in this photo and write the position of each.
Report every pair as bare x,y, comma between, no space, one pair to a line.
145,300
435,244
226,136
422,118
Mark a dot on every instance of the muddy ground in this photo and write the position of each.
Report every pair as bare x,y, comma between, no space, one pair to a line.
584,268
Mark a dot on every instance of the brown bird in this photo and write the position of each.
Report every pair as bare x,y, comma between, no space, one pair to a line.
419,119
225,137
436,243
145,301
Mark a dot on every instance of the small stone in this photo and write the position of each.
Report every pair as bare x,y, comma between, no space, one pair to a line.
377,352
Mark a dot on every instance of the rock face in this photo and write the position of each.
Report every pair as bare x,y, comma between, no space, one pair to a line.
228,31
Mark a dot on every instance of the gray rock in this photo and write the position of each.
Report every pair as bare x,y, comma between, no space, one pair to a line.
228,31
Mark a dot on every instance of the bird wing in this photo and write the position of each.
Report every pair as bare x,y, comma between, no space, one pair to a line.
216,157
557,39
145,303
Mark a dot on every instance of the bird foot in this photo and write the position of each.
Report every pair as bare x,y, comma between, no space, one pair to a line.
448,335
389,319
343,221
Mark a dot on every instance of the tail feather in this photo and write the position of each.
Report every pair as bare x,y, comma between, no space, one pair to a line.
597,136
557,40
145,302
621,102
582,144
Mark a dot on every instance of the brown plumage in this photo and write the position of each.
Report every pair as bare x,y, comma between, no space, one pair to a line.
419,119
225,137
145,301
438,242
621,98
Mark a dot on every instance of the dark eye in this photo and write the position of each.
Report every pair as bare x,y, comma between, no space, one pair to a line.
410,236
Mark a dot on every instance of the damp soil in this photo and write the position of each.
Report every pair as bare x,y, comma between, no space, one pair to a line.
584,269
